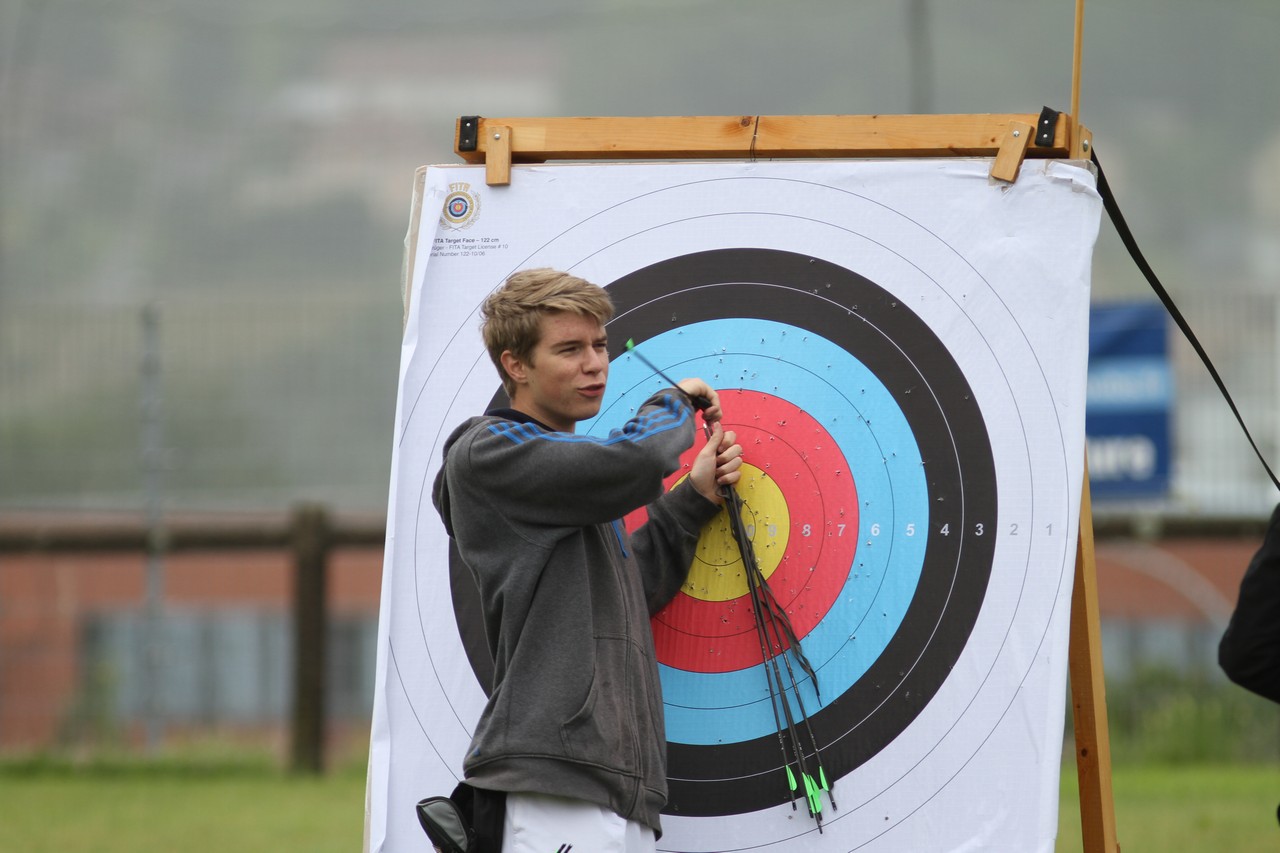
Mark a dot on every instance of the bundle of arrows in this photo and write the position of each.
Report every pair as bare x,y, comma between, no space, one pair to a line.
778,640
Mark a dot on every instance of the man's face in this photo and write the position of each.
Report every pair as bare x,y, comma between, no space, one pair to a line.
563,380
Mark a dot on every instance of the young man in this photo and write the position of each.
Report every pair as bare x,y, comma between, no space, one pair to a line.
573,732
1249,651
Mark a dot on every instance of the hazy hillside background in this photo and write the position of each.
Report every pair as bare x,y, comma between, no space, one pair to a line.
244,168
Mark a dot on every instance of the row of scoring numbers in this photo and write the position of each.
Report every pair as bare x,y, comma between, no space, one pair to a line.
979,529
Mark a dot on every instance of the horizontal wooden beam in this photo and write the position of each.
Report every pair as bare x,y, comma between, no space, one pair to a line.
896,136
56,533
621,138
725,137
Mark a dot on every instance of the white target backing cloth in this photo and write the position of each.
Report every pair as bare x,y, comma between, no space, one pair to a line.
901,347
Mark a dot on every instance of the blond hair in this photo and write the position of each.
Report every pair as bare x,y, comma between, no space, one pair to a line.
512,314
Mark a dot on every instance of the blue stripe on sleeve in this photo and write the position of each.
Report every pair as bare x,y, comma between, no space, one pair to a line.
653,423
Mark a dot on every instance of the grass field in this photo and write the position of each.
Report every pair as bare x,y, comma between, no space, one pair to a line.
1184,808
248,805
131,807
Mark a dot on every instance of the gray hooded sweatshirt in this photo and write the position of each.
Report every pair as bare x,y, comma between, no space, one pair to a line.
575,708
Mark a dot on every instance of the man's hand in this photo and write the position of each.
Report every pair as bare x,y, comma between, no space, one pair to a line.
699,388
718,463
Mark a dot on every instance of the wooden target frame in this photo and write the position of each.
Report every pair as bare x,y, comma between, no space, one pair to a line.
497,143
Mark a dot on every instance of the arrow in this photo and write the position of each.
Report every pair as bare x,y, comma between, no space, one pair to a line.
698,402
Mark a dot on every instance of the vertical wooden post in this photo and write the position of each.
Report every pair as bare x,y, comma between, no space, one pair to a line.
1088,694
310,558
1079,146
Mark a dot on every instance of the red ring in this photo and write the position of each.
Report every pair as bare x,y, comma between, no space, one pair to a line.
798,454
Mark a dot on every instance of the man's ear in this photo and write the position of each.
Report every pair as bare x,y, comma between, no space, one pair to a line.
514,367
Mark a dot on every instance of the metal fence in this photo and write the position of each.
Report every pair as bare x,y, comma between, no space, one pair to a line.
258,402
113,632
1215,470
234,402
221,667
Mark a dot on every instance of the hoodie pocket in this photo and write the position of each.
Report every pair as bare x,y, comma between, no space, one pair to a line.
603,730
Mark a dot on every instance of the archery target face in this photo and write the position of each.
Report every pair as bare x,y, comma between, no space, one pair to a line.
910,478
848,457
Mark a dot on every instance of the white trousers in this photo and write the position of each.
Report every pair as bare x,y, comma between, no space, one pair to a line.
537,823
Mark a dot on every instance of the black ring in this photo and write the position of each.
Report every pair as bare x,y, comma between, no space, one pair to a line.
938,403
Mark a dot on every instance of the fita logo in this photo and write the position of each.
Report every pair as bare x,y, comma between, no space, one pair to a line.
461,207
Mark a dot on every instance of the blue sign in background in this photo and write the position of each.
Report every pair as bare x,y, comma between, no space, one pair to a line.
1129,408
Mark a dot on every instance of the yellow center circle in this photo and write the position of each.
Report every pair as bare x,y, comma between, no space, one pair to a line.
718,573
